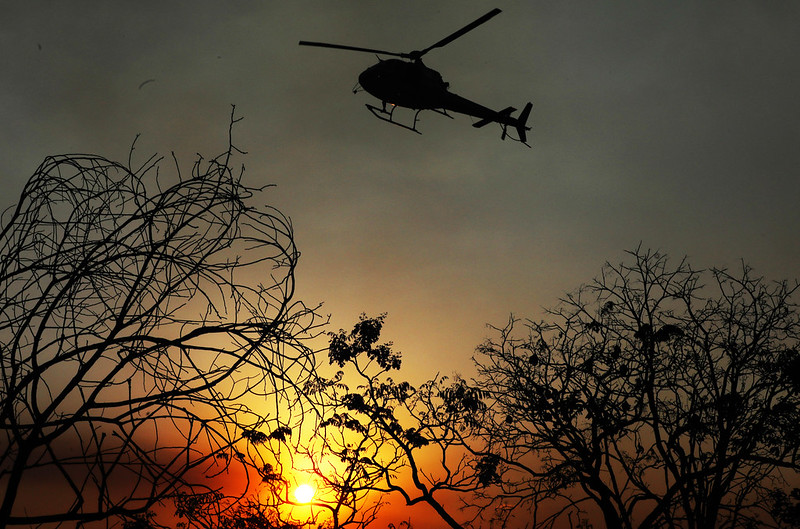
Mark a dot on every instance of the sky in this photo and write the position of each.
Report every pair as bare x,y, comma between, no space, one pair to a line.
671,124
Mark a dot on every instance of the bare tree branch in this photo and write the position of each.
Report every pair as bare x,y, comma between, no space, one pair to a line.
136,310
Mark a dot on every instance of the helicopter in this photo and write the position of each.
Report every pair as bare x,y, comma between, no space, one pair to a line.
407,82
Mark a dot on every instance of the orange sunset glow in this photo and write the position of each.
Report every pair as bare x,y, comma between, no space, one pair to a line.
448,265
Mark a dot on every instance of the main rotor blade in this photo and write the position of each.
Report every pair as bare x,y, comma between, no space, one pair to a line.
352,48
469,27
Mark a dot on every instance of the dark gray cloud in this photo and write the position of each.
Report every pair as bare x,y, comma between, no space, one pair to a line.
672,123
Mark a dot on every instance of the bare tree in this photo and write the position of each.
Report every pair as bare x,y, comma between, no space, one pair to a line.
138,313
655,396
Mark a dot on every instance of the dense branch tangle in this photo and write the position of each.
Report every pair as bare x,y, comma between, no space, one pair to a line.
134,316
649,398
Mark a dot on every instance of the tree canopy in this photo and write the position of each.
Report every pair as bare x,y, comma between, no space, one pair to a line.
654,396
138,313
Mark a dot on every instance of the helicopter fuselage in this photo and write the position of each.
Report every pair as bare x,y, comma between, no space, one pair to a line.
404,83
413,85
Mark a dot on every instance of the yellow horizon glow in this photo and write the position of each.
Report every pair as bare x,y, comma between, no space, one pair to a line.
304,493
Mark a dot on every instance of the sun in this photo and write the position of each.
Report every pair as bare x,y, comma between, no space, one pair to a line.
304,493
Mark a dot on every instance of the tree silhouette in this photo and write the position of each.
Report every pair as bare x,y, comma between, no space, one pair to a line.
378,437
137,310
654,396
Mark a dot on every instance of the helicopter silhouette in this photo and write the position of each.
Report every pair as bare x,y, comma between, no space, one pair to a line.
408,83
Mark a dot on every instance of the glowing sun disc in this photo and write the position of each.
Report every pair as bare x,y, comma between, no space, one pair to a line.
304,493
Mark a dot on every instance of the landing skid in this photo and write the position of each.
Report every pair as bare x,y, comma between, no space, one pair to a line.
388,116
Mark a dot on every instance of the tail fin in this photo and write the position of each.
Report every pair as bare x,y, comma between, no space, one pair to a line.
522,121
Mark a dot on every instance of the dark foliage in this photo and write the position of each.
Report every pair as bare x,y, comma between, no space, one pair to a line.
655,396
